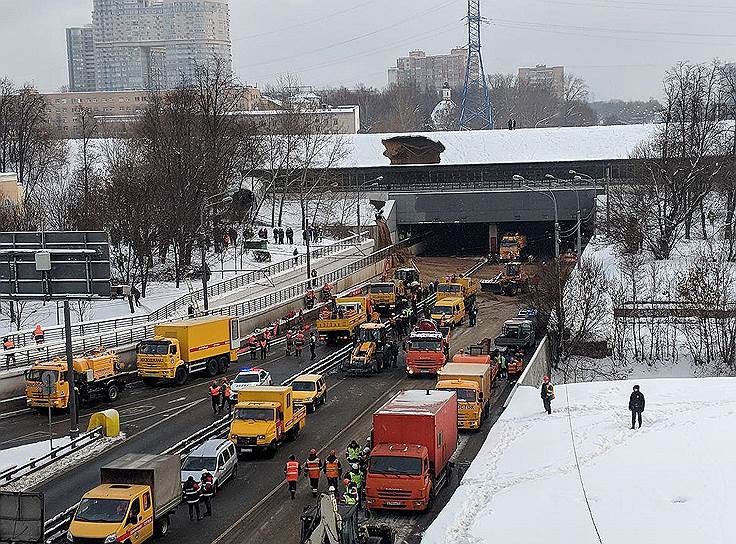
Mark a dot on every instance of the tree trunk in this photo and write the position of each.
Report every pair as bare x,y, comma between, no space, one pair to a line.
702,221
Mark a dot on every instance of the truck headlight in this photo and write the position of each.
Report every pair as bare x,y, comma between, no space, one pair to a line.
261,437
69,536
111,539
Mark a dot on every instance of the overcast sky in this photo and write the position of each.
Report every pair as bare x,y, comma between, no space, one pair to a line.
620,47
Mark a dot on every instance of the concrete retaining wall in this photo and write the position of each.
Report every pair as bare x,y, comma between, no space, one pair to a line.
537,368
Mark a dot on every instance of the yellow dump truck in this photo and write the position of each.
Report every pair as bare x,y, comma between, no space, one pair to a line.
383,296
472,383
96,375
511,246
136,496
459,287
179,348
264,417
341,321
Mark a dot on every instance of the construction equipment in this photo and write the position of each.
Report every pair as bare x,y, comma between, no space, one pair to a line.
511,281
264,418
328,522
414,435
182,347
96,376
137,494
511,246
459,287
342,320
426,350
369,355
472,385
384,296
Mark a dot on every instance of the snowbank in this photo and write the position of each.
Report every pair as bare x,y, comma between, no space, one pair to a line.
20,455
673,481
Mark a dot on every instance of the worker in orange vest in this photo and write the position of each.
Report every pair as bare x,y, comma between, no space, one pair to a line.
313,470
253,347
8,344
291,471
225,393
332,469
38,334
289,342
215,397
299,344
264,346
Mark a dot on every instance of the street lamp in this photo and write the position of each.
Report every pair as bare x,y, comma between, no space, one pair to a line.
209,202
579,176
373,183
551,196
578,226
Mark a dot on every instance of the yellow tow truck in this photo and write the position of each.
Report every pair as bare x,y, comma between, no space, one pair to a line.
341,321
179,348
265,417
96,375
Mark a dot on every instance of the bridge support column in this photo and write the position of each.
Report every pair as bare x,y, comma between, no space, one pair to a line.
493,239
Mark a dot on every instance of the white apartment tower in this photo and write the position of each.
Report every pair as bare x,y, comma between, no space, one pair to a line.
154,44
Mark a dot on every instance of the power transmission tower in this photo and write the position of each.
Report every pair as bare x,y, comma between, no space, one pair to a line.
476,112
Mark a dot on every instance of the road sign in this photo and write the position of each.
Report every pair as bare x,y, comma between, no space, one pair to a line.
48,379
54,265
21,517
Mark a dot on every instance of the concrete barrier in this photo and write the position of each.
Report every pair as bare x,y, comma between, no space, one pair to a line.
537,368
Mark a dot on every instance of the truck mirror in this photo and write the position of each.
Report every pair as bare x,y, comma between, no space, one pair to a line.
480,396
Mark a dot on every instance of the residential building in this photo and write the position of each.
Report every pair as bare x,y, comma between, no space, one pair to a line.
154,44
325,120
113,111
80,52
431,71
543,75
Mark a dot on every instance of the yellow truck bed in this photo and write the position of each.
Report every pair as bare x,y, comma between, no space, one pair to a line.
199,338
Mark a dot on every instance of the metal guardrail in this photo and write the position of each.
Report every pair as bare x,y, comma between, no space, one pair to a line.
28,355
13,474
463,184
25,337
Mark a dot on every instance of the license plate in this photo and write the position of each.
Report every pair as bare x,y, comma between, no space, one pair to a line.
394,504
247,450
424,371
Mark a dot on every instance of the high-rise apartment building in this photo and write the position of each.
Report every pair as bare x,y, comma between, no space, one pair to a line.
80,53
543,75
431,71
155,44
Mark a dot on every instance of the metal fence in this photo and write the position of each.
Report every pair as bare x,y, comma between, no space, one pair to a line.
178,306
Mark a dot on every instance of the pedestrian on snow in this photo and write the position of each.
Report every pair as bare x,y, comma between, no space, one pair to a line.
290,236
296,256
136,294
191,497
636,405
312,346
305,235
276,235
281,235
291,471
332,469
233,234
215,397
131,303
548,394
313,470
207,490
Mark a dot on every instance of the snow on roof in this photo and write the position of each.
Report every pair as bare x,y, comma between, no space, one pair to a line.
671,481
510,146
415,401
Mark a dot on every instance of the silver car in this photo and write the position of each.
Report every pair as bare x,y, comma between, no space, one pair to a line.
217,456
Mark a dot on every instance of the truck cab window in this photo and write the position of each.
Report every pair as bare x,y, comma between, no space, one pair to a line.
146,500
173,350
135,510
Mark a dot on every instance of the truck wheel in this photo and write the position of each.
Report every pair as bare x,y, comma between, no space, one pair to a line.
211,367
161,527
222,364
181,375
113,392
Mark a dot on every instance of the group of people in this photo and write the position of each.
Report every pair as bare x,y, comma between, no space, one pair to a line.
280,234
297,339
221,396
314,468
312,234
260,344
199,491
636,401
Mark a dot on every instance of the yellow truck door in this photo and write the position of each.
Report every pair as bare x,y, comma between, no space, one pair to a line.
139,528
235,334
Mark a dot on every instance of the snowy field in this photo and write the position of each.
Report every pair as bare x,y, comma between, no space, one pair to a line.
20,455
671,482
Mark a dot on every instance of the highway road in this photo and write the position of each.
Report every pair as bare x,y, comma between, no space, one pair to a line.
254,507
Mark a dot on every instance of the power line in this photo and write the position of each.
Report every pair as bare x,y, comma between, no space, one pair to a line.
577,464
641,6
413,17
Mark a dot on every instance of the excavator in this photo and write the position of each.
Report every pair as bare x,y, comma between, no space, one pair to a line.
328,522
511,281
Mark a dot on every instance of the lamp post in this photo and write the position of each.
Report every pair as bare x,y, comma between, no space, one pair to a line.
373,183
209,202
551,196
578,176
578,226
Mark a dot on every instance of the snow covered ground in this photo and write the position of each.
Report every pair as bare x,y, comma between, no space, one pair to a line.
671,482
20,455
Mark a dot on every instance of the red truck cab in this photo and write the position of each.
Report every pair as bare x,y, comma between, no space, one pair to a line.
426,350
414,436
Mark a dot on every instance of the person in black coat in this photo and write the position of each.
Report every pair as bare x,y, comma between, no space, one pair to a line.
636,405
548,394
